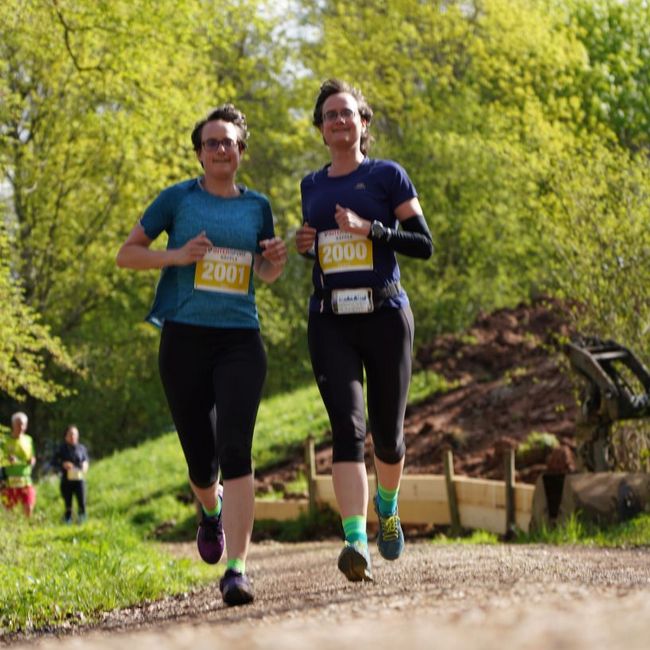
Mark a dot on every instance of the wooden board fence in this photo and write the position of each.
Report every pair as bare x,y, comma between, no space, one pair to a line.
424,499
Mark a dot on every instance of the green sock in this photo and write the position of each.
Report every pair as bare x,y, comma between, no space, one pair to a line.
213,513
236,565
355,529
387,501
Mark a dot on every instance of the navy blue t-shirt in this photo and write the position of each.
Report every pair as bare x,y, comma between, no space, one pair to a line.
373,191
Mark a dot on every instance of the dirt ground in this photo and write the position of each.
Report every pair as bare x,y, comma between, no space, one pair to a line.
453,596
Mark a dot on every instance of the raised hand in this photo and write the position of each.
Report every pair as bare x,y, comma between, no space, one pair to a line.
274,250
305,238
193,250
349,221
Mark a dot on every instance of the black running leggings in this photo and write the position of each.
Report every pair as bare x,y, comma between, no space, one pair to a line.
76,489
341,347
213,382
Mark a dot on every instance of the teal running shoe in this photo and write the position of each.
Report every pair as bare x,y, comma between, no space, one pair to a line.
390,539
354,562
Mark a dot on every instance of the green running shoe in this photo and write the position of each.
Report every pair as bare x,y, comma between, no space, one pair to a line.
354,562
390,539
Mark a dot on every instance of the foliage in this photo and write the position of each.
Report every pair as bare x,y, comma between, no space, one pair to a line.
98,103
599,252
538,440
616,83
26,344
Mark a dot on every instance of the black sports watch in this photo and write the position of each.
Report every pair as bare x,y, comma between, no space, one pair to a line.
377,231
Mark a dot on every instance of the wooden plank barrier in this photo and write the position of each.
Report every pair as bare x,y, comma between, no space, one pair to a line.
423,500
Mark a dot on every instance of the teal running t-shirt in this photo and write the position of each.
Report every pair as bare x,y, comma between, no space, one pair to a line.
218,291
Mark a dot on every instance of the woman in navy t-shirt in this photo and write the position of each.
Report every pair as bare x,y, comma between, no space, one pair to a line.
357,213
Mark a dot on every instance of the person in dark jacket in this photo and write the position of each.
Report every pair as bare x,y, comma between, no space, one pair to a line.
71,460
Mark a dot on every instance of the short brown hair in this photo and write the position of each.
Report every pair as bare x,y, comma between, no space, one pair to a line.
226,113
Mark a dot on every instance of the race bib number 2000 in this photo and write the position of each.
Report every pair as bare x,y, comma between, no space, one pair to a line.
340,251
225,270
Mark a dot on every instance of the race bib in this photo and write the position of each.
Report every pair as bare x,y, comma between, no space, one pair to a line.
225,270
340,251
75,474
17,481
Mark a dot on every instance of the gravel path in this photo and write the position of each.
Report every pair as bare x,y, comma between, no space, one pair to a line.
450,596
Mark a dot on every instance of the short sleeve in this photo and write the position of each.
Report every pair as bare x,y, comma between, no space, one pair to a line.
401,189
268,230
158,216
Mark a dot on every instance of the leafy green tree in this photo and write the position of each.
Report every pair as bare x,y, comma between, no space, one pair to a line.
26,345
615,90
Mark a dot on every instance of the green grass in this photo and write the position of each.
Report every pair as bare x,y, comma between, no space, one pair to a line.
473,537
51,574
576,531
632,533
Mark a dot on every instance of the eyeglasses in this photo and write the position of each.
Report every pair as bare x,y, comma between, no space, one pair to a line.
212,144
345,113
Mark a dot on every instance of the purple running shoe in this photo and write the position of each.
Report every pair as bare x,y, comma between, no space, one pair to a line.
235,588
210,538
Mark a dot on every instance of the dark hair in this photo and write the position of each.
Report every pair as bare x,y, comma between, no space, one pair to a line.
334,87
226,113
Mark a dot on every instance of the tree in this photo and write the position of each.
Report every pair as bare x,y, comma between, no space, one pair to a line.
26,345
615,89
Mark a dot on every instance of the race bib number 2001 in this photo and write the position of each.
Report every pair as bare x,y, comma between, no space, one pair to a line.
340,251
225,270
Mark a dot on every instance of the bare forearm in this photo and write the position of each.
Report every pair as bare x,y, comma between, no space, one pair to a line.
134,256
267,271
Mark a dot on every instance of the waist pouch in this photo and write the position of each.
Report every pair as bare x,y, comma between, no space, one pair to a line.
357,300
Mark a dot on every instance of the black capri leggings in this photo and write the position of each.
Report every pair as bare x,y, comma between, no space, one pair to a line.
213,382
340,348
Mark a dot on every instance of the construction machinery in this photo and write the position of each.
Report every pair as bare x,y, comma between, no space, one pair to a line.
615,387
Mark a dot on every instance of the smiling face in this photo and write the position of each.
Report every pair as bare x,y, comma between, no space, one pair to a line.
221,162
340,129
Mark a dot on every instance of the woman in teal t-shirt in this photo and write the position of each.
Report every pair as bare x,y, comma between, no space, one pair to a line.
212,361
